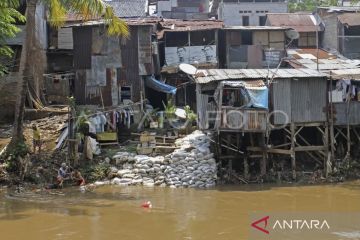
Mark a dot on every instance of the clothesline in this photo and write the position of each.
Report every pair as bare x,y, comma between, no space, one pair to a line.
114,109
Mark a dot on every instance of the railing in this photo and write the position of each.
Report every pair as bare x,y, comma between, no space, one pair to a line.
240,119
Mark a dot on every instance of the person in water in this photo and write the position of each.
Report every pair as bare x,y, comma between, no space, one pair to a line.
63,174
77,177
36,138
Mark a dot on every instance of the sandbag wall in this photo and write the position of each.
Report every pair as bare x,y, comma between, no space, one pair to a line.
191,165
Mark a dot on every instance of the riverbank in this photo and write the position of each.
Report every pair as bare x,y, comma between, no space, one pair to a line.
191,164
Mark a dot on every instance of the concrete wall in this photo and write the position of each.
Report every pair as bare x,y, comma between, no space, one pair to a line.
230,12
330,40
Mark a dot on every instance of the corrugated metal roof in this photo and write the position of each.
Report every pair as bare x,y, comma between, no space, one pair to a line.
210,75
353,73
257,28
341,9
306,58
176,25
350,19
301,22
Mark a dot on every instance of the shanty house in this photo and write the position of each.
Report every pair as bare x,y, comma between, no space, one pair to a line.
251,47
110,70
192,42
231,100
342,30
304,23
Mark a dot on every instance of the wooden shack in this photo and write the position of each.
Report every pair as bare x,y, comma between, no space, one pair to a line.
291,100
344,112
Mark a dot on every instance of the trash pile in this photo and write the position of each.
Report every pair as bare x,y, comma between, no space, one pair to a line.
192,165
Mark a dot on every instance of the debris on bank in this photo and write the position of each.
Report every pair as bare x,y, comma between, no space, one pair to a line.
192,165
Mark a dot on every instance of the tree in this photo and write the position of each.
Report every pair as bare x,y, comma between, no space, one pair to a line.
310,5
58,10
8,17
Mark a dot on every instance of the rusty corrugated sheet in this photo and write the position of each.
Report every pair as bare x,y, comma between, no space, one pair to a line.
130,64
82,47
206,76
174,25
306,58
350,19
301,22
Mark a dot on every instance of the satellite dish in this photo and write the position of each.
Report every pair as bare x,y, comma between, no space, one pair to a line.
188,69
292,34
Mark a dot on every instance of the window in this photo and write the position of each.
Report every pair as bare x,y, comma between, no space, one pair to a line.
262,20
246,38
245,21
125,93
202,38
177,39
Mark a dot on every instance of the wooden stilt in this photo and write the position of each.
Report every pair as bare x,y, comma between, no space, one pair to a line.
246,167
263,162
326,145
293,160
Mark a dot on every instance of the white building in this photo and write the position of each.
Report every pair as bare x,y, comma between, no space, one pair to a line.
249,12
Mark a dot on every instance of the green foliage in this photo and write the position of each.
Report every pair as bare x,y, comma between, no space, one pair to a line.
190,115
19,150
310,5
169,109
81,121
86,9
98,172
9,16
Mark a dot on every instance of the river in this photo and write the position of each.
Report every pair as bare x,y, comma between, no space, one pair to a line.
114,212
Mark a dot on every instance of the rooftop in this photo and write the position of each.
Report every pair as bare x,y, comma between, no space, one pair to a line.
176,25
340,9
306,58
350,19
301,22
255,28
211,75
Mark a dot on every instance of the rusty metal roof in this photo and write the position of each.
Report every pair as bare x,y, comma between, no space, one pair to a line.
176,25
353,73
301,22
211,75
350,19
306,58
256,28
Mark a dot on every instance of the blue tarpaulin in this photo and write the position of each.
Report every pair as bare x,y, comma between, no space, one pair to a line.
258,97
157,85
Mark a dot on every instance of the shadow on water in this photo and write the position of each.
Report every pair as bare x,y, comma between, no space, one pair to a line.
269,186
69,202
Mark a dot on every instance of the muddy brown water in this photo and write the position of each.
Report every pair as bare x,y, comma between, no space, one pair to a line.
114,212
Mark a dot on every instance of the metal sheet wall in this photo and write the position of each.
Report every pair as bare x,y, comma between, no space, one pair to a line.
340,116
308,100
82,47
281,103
130,64
299,100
